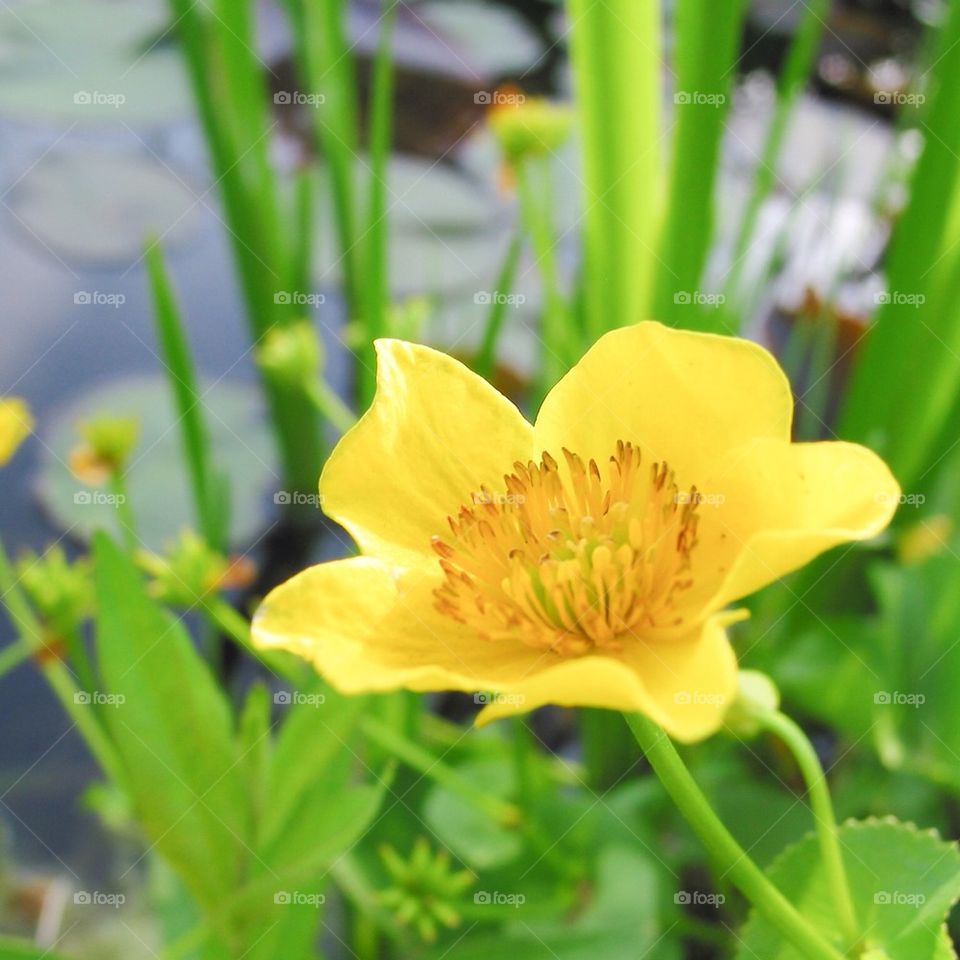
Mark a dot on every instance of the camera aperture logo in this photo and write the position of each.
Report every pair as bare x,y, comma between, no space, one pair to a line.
485,898
697,898
99,98
489,297
705,698
897,898
98,498
508,699
297,498
296,698
96,698
298,98
298,298
299,898
498,98
898,698
94,898
97,298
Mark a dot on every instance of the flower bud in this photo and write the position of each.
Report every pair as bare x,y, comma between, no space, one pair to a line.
192,571
291,354
530,127
60,591
425,889
107,444
756,693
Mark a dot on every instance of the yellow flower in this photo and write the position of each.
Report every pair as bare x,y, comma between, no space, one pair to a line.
15,425
587,559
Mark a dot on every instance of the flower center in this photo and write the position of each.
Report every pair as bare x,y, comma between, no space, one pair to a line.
567,560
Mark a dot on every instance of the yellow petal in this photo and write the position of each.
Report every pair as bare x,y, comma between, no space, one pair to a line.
683,684
16,423
687,398
781,504
367,628
435,433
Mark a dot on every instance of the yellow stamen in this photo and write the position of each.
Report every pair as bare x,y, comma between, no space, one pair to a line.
568,561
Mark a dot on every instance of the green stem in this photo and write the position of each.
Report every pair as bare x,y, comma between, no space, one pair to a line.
237,628
728,855
430,766
486,360
822,806
56,674
128,529
533,187
331,406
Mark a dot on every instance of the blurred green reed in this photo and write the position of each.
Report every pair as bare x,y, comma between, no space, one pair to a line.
906,385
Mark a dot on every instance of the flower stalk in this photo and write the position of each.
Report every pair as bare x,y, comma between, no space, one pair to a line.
729,856
821,805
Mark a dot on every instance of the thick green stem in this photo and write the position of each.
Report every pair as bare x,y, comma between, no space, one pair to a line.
729,856
822,807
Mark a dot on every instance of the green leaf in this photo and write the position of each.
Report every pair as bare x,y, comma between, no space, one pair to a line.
903,882
11,949
471,834
172,729
620,922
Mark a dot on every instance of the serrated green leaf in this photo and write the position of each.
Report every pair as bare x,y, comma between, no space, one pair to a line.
903,883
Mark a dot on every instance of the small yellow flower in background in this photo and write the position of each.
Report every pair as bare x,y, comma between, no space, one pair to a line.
587,559
16,424
107,444
529,126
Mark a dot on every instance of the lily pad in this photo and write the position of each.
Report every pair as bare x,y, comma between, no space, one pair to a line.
89,61
447,231
492,39
903,882
157,481
94,206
